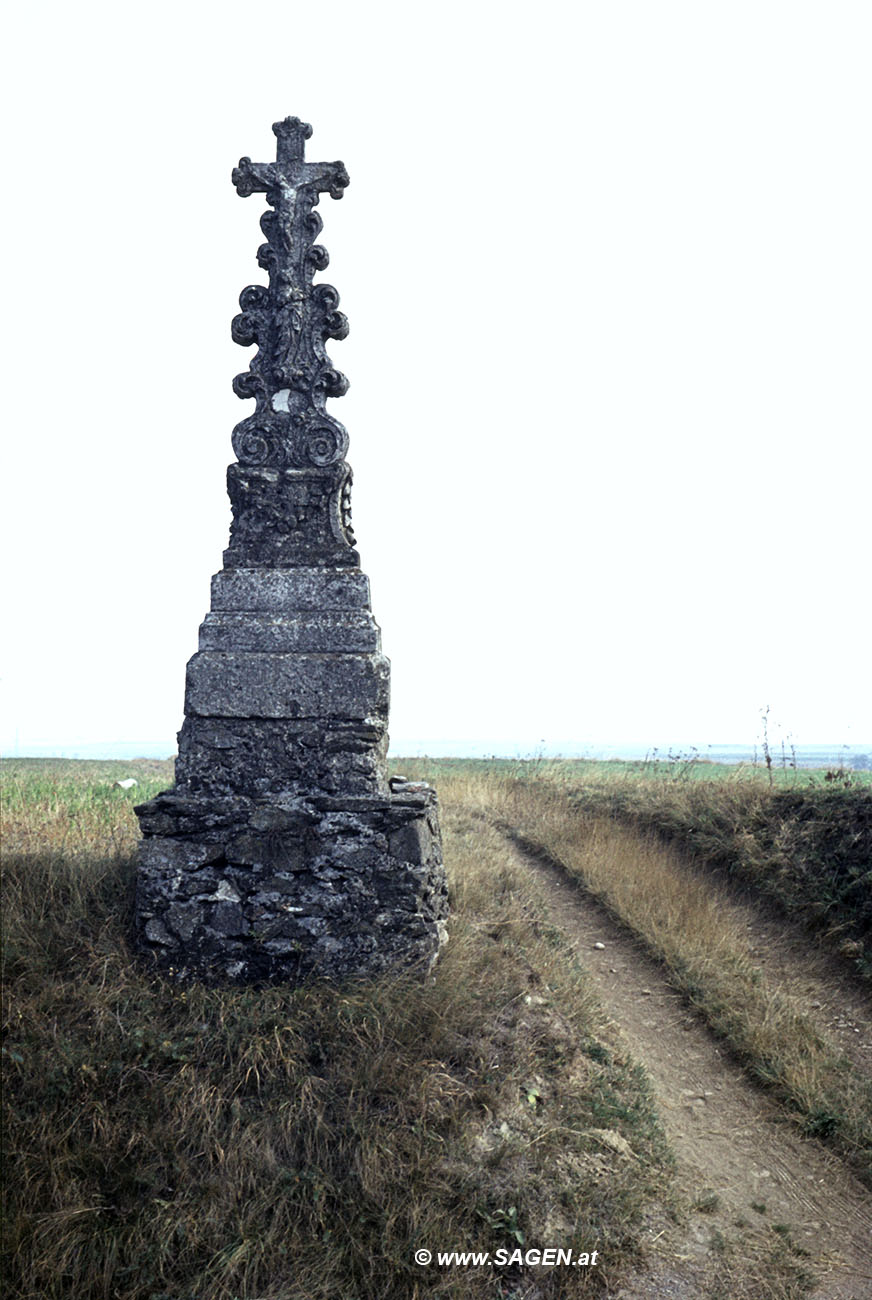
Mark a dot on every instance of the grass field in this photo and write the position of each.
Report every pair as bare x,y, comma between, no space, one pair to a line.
178,1143
167,1143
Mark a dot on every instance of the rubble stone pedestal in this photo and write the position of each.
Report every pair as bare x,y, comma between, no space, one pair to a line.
283,851
248,890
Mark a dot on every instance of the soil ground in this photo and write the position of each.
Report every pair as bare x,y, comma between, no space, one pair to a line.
753,1177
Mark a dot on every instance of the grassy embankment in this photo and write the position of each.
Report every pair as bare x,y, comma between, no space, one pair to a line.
645,843
802,839
171,1144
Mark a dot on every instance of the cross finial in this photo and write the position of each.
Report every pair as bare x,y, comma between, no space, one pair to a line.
290,166
292,135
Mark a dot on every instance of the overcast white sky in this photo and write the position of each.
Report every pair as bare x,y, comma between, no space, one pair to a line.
609,274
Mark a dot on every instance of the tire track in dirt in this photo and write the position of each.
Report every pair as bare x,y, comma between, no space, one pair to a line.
730,1140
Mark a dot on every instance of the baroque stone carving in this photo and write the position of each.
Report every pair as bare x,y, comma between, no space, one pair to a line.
290,376
282,850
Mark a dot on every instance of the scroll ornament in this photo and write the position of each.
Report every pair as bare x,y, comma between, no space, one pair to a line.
290,376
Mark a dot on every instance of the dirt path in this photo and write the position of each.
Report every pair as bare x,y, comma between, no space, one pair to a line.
754,1178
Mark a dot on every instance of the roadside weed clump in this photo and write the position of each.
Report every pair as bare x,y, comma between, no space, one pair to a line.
166,1141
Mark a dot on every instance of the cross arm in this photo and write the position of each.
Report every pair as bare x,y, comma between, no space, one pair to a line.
250,178
327,176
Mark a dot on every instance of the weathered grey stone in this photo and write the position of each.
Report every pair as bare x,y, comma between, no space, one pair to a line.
155,932
227,918
288,591
279,759
289,516
178,855
278,819
281,851
237,684
281,947
412,842
173,814
279,885
276,849
313,630
348,876
183,919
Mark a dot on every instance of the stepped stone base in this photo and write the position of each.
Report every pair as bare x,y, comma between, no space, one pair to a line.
244,891
281,851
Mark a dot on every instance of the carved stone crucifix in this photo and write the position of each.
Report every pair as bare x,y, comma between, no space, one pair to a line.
290,376
283,850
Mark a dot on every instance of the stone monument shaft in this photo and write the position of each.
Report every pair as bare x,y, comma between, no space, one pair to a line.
282,849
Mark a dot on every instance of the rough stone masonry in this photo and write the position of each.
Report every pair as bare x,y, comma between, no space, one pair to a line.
282,850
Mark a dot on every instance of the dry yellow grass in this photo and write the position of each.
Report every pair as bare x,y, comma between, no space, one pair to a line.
167,1143
684,919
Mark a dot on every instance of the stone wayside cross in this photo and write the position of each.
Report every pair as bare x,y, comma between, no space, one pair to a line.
283,850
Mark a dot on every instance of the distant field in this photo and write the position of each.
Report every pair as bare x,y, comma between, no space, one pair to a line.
664,770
